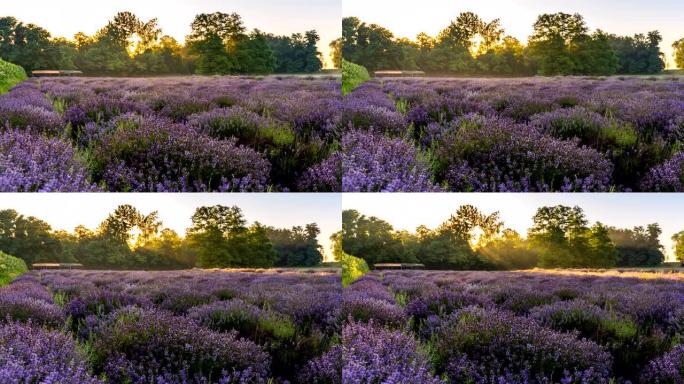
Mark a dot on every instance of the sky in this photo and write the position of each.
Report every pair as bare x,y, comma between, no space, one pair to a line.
407,18
624,210
284,210
67,17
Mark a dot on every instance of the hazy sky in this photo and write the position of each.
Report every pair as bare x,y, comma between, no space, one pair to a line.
407,18
624,210
66,17
66,211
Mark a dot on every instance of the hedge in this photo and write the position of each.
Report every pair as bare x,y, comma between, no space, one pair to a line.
10,75
10,268
353,75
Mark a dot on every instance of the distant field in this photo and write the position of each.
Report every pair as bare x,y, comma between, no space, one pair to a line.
541,326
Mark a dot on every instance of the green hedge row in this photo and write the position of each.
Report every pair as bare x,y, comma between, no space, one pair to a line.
353,75
10,75
10,268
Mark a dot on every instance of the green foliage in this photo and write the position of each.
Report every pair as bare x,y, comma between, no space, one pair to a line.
678,47
220,238
353,268
254,55
638,247
296,247
129,239
353,75
297,53
560,45
678,239
27,238
10,75
562,238
639,54
10,268
127,45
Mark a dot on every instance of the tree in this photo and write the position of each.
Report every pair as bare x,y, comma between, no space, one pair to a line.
167,250
593,55
296,247
508,251
26,45
638,247
678,239
253,54
639,54
561,237
27,238
219,238
553,38
369,238
678,47
121,224
371,46
213,41
336,52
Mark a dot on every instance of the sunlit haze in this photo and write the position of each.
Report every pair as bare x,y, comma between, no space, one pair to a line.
66,211
623,210
284,17
407,18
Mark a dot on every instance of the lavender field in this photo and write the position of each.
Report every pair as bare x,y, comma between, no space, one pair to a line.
170,134
527,134
514,327
74,327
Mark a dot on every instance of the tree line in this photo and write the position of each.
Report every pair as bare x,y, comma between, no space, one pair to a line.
218,43
561,44
561,237
219,237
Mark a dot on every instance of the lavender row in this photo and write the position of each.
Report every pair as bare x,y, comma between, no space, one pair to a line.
167,134
531,134
170,327
290,134
513,327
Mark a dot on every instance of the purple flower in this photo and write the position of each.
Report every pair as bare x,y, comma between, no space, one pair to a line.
372,162
30,354
372,354
34,163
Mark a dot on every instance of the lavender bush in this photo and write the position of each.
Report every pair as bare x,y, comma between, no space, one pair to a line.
516,327
192,134
170,327
569,134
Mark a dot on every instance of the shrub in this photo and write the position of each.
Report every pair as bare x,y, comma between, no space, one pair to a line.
155,154
34,163
668,369
15,306
30,354
248,320
326,369
10,75
10,268
485,345
372,354
358,306
141,345
352,268
492,154
372,162
353,75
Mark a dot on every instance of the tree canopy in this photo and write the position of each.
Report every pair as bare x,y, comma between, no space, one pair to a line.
560,237
560,44
219,237
218,43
